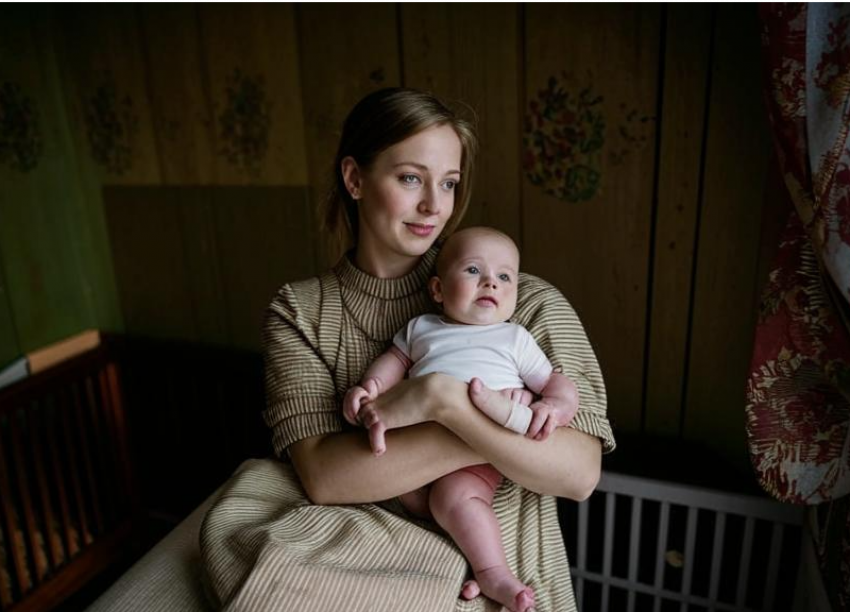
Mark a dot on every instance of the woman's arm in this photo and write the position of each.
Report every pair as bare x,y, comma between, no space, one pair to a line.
340,468
567,464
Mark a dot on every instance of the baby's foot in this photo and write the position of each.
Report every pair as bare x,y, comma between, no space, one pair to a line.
470,590
499,584
489,402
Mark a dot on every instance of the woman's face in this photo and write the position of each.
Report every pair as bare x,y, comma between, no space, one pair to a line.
405,199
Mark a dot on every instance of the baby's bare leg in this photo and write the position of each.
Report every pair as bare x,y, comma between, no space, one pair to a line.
461,504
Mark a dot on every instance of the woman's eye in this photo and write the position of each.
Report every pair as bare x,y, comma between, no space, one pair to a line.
450,185
505,278
409,179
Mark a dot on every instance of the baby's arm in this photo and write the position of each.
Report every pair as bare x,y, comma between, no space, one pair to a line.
556,407
385,371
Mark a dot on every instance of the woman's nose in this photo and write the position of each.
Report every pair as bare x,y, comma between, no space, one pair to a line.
430,203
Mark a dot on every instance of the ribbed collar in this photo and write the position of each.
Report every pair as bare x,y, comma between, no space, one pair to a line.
354,279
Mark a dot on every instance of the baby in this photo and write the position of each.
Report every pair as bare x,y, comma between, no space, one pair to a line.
476,284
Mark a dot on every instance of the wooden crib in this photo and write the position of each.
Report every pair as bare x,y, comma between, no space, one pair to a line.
68,500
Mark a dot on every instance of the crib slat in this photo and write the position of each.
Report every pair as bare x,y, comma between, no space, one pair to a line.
59,480
581,536
17,554
114,401
634,548
773,566
18,460
746,555
717,556
53,544
663,525
70,446
690,545
608,551
78,416
101,435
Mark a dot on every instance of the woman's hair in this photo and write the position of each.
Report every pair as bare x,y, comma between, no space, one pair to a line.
380,120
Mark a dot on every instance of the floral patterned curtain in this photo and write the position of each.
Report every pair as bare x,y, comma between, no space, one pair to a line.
798,392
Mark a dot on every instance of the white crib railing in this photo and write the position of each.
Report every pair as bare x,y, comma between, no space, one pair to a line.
643,545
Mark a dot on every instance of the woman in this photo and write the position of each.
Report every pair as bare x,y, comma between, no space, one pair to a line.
403,170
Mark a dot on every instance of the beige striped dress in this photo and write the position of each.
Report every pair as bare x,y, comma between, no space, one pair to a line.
266,547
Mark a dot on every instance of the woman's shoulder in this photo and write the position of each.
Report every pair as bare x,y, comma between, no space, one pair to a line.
538,299
301,298
532,288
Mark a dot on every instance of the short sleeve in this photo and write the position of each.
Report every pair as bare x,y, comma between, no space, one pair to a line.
554,324
533,365
402,338
301,400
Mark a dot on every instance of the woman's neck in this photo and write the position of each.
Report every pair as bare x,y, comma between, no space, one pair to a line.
380,265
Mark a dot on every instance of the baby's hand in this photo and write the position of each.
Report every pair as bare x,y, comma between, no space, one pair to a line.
546,418
356,397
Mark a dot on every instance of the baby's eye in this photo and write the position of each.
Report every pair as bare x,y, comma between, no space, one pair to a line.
505,278
472,269
409,179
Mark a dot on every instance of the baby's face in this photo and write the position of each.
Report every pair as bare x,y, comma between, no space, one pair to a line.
478,284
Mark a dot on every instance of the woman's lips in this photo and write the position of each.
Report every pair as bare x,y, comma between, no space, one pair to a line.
420,229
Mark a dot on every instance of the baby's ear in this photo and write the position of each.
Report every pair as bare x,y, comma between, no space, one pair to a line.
436,288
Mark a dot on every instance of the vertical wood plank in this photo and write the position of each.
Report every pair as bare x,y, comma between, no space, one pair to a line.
595,248
262,235
737,152
9,512
470,54
346,52
53,541
686,65
153,281
251,57
65,408
78,416
43,262
71,546
179,93
101,55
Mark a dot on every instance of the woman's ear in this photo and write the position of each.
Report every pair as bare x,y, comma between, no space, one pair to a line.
351,177
436,288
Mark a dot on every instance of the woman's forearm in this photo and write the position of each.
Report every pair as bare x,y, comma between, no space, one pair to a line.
341,468
567,464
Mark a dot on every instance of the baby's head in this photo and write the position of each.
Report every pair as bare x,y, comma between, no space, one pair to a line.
477,274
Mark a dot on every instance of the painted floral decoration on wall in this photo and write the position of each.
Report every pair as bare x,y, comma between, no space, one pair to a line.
111,126
564,135
21,144
245,123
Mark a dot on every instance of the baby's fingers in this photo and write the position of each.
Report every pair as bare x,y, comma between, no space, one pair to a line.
350,407
377,439
537,422
548,428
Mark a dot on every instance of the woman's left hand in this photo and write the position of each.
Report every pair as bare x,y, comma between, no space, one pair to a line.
412,401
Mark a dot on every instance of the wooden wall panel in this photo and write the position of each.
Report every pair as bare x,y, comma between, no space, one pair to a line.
470,54
251,57
9,348
737,151
150,264
346,52
686,66
179,92
39,232
220,256
105,82
596,250
257,233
